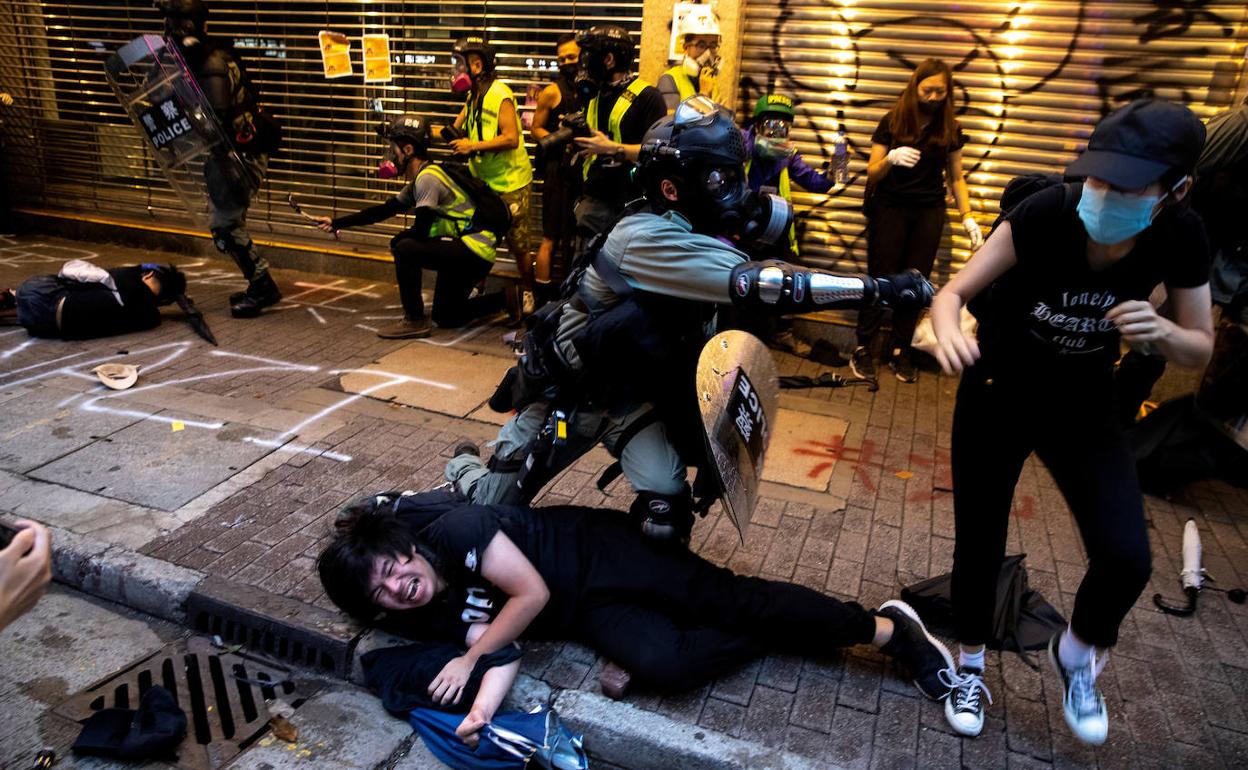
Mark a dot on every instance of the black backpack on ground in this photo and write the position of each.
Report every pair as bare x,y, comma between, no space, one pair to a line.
491,214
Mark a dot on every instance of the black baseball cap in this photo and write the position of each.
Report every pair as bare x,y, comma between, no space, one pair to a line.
1134,146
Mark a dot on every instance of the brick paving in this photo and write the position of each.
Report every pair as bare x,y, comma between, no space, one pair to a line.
1177,687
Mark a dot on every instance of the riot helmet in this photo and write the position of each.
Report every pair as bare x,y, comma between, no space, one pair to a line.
700,150
462,78
595,43
184,19
408,128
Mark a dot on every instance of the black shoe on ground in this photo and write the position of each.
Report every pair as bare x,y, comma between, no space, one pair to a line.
862,364
261,293
466,448
903,366
924,656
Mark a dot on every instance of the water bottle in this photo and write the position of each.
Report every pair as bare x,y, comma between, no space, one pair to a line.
840,159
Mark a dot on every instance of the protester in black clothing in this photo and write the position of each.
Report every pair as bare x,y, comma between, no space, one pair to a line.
254,135
440,239
85,301
561,182
619,108
915,149
443,568
1068,274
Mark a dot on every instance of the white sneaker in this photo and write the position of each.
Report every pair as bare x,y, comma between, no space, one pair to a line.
1082,702
963,708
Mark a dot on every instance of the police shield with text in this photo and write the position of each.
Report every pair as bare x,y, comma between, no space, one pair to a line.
251,133
614,361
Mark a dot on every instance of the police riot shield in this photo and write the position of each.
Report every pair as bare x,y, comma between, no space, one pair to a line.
160,95
737,393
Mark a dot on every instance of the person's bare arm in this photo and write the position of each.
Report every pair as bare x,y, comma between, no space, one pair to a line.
506,566
495,685
547,100
1187,340
601,144
25,570
508,134
878,165
957,182
954,350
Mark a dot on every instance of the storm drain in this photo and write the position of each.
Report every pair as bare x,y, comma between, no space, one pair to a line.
225,696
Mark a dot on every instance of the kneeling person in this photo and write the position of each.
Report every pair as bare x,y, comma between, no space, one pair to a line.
86,301
442,237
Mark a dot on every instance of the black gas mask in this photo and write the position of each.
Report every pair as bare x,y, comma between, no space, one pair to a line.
701,152
591,74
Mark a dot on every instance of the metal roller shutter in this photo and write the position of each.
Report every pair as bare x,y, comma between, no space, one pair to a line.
69,147
1032,78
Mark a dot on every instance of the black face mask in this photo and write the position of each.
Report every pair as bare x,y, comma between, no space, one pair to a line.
930,108
591,75
568,72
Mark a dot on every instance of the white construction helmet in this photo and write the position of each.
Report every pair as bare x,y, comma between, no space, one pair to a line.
700,21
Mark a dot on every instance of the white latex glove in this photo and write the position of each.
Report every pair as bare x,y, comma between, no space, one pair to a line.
973,232
905,157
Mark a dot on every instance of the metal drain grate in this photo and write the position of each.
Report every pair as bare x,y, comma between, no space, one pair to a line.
223,694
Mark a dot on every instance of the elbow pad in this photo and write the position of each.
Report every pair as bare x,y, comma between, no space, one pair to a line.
782,287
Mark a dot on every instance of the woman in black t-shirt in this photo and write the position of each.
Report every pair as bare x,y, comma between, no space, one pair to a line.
914,150
482,576
1067,275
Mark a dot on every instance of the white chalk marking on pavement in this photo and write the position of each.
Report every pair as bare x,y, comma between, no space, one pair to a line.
367,328
298,449
383,317
263,360
320,319
472,331
92,406
15,350
15,331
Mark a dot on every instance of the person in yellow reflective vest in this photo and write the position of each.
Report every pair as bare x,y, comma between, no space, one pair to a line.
442,237
619,108
490,137
698,72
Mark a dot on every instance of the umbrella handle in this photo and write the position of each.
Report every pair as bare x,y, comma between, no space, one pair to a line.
1181,611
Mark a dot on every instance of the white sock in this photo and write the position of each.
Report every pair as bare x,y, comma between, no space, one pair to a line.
1072,652
971,659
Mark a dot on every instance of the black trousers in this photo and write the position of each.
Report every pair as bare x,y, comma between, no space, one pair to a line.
675,621
999,420
458,269
899,238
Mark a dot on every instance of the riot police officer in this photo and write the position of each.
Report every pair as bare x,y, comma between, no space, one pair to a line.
614,363
253,133
619,108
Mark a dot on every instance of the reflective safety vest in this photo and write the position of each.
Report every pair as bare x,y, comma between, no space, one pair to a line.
785,191
455,218
503,170
685,85
618,110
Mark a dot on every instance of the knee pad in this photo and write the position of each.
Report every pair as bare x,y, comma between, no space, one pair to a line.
667,518
225,241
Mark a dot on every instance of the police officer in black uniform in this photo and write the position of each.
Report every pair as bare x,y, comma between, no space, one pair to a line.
619,108
254,134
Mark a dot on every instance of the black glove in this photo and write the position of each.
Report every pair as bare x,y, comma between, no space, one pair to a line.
904,291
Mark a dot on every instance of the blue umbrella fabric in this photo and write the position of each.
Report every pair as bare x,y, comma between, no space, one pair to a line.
511,741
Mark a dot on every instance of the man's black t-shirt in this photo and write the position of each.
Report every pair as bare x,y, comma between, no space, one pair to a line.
922,185
91,309
1049,309
613,182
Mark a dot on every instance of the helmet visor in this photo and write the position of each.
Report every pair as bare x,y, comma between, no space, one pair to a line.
695,111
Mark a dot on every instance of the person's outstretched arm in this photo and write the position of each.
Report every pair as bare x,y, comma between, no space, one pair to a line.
1187,340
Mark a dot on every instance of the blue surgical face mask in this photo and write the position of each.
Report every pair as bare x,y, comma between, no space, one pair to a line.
1112,217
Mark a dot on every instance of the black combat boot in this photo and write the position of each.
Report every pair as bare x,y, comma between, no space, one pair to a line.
261,293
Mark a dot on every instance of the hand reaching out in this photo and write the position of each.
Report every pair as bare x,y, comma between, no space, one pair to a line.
905,157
